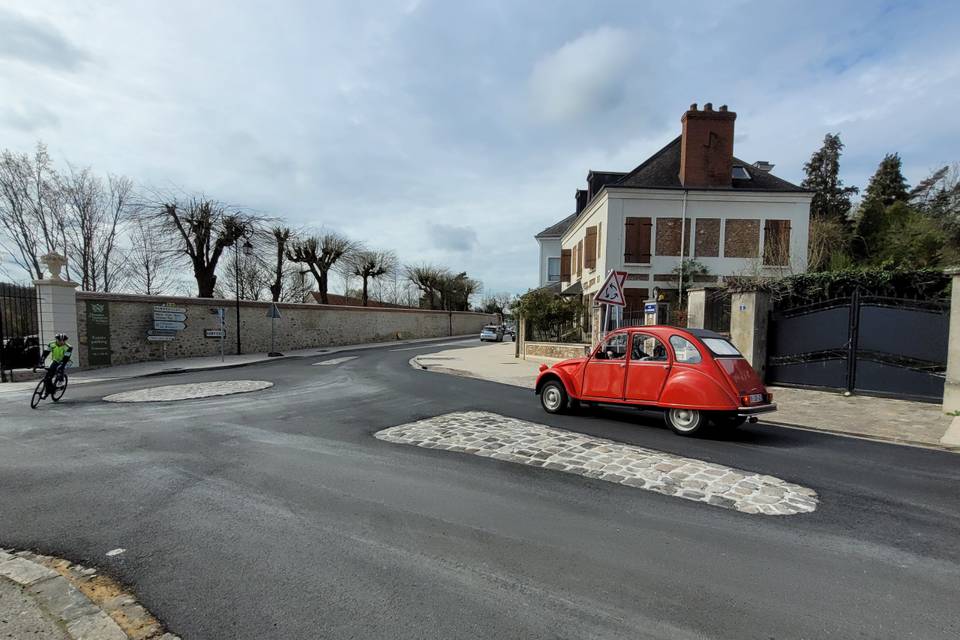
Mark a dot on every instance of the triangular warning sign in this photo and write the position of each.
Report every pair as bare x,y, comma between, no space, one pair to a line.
611,291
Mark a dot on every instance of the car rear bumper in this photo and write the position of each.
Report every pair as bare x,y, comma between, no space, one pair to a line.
754,410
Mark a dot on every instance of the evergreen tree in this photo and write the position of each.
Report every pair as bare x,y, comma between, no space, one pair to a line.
831,199
886,187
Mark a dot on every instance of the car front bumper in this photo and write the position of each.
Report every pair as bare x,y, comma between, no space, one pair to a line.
755,409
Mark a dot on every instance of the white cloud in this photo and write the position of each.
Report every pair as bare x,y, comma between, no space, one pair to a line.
584,76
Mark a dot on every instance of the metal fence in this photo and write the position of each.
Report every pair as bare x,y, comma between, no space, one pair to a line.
19,328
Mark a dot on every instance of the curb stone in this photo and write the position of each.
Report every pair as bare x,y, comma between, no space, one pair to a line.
89,606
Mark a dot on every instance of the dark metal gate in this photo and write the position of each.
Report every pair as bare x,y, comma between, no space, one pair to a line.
885,346
19,328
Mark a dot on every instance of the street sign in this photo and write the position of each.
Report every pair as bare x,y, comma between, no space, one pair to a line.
161,332
160,338
169,316
161,309
213,333
273,311
650,307
611,291
163,324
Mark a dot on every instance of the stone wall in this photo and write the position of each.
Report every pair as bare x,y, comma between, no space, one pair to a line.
554,349
301,326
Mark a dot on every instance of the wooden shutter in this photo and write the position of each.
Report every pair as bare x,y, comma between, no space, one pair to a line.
637,235
579,258
776,242
634,299
565,260
590,248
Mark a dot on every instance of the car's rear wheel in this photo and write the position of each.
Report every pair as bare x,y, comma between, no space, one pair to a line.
685,422
553,397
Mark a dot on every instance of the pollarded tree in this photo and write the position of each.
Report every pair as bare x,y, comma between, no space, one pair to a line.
202,229
281,237
320,254
369,265
831,200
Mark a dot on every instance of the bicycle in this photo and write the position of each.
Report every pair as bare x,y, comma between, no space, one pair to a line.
60,381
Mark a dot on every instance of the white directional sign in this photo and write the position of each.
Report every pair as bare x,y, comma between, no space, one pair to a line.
213,333
160,338
169,316
162,308
611,291
163,324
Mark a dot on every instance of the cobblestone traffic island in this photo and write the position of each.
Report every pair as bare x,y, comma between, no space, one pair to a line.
189,391
494,436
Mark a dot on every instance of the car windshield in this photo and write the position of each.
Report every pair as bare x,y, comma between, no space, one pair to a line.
721,347
489,328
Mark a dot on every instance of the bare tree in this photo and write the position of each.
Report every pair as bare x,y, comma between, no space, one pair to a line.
281,237
254,276
320,254
429,280
202,229
149,262
30,213
371,265
93,215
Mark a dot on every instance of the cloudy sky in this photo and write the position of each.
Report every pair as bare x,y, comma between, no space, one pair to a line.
453,132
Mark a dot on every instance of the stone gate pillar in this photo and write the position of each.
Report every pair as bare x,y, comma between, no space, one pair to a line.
951,386
696,307
57,305
749,320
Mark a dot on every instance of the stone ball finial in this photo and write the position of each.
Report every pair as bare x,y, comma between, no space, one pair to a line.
54,262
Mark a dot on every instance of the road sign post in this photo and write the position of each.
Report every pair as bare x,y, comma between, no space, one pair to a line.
610,295
273,313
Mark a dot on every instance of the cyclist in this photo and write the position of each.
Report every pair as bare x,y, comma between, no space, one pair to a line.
59,351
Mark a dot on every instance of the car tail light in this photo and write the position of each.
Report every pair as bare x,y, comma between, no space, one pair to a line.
769,398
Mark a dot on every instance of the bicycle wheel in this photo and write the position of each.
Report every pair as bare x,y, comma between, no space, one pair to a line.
59,386
37,395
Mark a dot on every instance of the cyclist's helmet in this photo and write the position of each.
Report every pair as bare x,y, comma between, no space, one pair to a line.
61,336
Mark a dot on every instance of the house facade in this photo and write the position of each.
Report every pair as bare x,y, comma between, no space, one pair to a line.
692,200
549,243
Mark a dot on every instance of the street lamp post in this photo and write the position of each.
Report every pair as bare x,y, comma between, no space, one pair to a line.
247,251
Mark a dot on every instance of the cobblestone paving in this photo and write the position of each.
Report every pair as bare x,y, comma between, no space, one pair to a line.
189,391
494,436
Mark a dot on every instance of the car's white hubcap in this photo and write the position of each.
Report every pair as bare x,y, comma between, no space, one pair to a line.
551,398
683,419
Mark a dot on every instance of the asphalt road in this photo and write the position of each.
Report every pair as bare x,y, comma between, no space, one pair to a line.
277,514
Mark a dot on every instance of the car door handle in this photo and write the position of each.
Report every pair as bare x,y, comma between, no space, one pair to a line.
666,367
623,364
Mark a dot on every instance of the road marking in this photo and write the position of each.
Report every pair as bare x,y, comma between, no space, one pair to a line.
327,363
441,344
494,436
115,552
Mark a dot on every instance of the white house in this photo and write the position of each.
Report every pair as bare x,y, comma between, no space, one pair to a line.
549,241
693,199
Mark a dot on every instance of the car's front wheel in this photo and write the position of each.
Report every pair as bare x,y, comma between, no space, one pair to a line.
553,397
685,422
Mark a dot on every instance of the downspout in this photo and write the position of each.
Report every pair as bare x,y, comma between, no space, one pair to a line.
683,229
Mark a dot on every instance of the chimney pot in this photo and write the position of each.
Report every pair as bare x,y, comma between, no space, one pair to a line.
693,107
708,106
723,107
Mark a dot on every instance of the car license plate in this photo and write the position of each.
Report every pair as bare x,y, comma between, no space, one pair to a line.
756,398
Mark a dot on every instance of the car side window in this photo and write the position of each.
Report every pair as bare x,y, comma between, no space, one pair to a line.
684,351
647,349
613,348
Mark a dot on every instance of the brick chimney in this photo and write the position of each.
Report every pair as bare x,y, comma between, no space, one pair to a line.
581,199
706,148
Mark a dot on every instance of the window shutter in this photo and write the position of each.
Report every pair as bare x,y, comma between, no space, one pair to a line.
644,234
579,258
590,248
565,260
630,240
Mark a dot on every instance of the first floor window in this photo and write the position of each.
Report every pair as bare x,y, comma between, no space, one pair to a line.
553,269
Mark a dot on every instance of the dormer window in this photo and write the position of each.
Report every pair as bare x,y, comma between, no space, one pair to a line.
740,172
